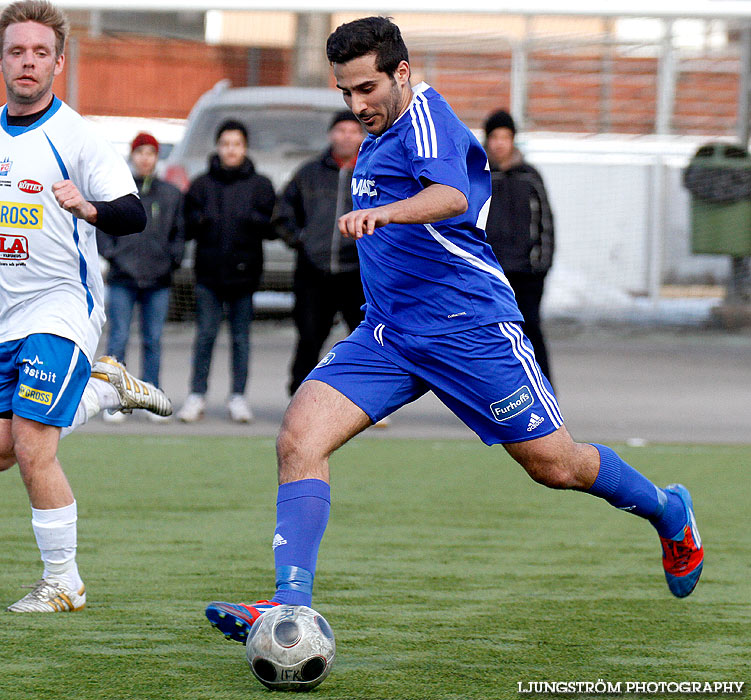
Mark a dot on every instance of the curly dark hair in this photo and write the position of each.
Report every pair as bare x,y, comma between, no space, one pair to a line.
377,35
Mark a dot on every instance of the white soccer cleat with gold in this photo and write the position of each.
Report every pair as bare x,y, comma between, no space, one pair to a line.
50,596
133,392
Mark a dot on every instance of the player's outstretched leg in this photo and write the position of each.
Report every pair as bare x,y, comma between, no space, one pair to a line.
670,510
558,462
112,388
132,392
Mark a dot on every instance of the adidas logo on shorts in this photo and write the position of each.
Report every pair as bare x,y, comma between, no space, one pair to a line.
534,421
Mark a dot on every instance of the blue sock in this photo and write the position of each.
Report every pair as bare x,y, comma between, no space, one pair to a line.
302,512
625,488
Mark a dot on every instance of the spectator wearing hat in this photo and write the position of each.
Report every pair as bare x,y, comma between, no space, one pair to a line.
519,226
228,214
327,275
141,265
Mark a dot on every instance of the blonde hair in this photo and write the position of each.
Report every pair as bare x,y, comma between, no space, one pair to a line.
41,12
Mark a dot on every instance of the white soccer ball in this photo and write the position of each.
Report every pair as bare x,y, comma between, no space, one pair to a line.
290,647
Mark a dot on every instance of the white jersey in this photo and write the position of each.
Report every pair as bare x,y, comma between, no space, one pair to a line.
50,280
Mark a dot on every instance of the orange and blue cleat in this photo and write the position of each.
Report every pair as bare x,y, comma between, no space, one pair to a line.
683,555
234,620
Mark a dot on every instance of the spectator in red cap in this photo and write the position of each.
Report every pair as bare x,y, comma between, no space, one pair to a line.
145,139
141,265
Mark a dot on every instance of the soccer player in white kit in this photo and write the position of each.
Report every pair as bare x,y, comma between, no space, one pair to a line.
57,181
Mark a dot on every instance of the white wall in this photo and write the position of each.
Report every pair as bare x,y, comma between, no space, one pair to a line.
620,234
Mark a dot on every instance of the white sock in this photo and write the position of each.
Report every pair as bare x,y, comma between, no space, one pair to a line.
106,395
55,532
97,396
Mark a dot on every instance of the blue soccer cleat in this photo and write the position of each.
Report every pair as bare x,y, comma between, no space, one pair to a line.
234,620
683,555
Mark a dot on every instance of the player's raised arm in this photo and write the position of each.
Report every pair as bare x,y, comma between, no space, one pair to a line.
435,203
118,217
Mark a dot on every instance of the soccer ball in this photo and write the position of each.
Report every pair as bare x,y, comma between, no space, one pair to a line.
290,647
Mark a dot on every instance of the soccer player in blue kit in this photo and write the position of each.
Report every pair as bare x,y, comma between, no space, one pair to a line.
441,317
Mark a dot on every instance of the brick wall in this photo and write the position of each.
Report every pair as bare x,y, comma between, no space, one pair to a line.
473,84
591,92
138,76
147,77
587,91
707,97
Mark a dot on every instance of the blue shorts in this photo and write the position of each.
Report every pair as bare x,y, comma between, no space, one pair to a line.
487,376
42,378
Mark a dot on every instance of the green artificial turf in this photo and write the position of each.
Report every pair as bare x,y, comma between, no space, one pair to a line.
445,573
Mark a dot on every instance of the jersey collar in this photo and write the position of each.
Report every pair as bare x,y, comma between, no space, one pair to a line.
416,90
18,130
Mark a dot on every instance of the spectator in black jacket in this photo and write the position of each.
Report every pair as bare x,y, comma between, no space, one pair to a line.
520,226
327,276
228,214
141,265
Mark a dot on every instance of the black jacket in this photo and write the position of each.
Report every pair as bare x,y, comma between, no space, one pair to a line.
307,212
146,260
520,221
228,214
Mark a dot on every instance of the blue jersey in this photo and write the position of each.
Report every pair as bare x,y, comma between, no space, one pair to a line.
429,279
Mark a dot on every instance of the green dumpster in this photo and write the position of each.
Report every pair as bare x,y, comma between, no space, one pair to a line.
719,180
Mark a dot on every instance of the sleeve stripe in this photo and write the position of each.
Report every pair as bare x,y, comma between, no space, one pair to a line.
418,123
424,132
418,140
422,123
429,117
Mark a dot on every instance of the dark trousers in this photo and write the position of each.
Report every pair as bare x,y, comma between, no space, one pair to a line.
154,302
209,315
528,288
318,298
